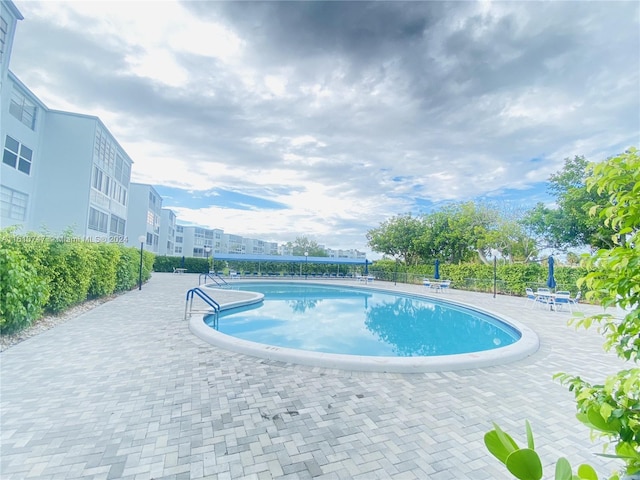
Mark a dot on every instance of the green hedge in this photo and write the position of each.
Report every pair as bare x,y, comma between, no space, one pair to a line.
200,265
512,279
23,291
194,265
44,274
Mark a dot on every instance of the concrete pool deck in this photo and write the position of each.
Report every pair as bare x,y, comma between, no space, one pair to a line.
127,391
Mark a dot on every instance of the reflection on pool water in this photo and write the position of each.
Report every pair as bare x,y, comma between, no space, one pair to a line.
344,320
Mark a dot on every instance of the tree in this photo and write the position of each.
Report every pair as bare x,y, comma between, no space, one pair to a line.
511,240
612,407
569,224
303,244
396,237
457,233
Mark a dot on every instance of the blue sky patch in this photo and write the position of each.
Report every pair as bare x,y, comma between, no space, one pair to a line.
176,197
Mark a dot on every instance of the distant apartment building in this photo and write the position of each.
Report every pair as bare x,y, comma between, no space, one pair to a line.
351,253
179,245
167,232
145,212
259,247
191,241
233,244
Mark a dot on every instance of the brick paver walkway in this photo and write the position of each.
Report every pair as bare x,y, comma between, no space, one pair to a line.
126,391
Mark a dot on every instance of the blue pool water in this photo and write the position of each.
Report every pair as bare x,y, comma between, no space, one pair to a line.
344,320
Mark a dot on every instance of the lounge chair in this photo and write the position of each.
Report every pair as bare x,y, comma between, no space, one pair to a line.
445,284
531,297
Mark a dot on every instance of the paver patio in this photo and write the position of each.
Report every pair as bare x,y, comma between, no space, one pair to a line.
126,391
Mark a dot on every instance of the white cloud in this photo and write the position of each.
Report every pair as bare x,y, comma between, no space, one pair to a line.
346,116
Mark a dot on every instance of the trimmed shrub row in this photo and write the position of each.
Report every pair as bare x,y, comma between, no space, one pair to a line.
512,278
40,274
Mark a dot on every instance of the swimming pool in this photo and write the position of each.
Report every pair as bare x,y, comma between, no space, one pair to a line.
367,328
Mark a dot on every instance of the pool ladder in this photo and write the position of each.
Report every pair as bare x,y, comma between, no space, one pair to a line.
217,279
188,307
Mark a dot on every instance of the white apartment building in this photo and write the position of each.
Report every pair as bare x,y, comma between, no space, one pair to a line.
167,232
145,213
191,241
60,171
351,253
21,130
9,16
260,247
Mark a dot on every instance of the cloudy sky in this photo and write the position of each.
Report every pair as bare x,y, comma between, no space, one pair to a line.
322,119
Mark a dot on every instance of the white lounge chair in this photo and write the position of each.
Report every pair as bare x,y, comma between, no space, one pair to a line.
561,299
531,297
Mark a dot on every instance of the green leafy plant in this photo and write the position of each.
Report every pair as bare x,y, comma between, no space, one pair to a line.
23,291
524,463
611,409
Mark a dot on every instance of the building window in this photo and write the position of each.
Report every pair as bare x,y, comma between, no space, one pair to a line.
96,181
102,182
122,171
22,108
13,203
4,28
104,154
98,220
117,225
178,250
17,155
178,239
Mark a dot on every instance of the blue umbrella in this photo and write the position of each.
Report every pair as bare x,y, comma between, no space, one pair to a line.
436,275
366,266
551,281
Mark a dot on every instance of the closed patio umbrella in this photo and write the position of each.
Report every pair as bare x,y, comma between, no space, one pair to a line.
551,281
436,275
366,266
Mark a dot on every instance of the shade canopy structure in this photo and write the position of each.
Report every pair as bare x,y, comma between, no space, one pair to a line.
551,281
436,274
241,257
